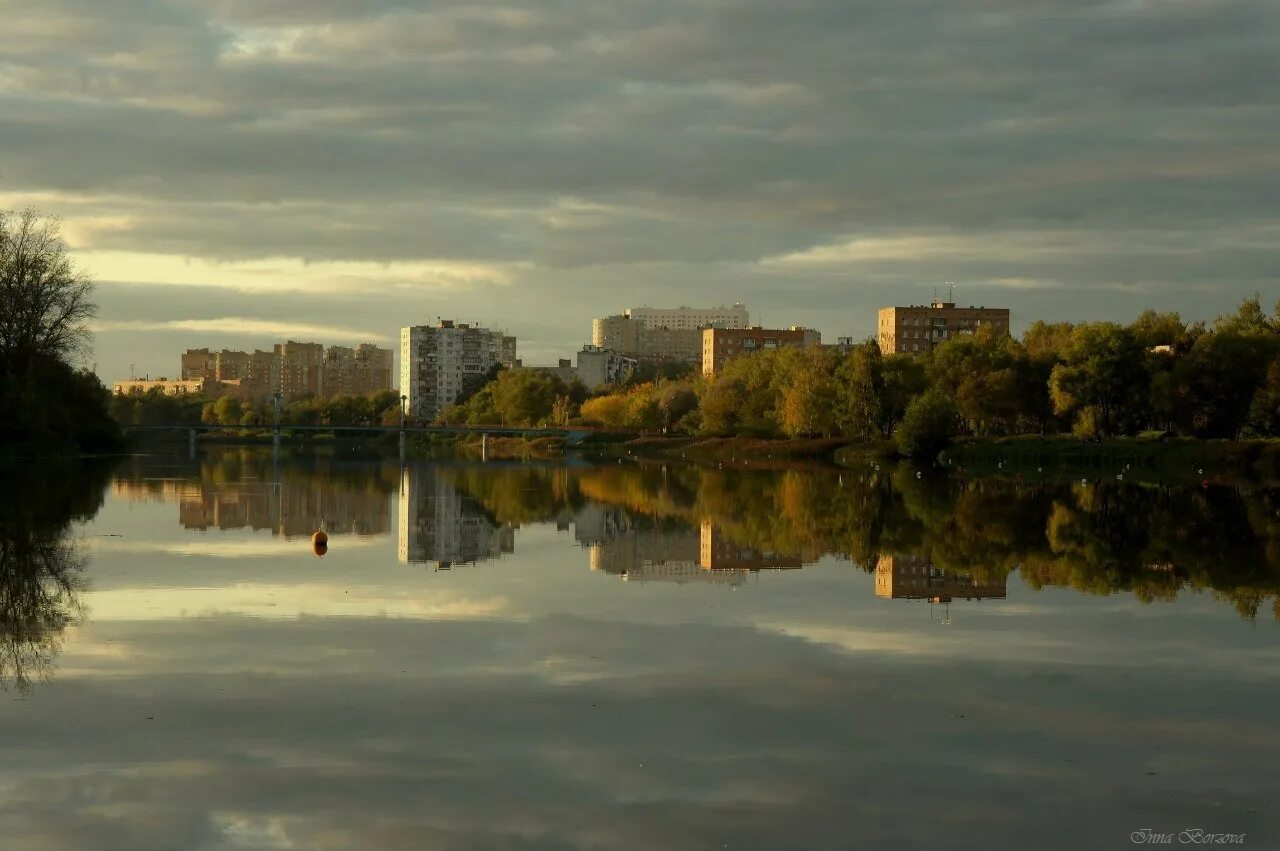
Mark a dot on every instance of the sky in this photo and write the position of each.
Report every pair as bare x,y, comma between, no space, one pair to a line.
233,173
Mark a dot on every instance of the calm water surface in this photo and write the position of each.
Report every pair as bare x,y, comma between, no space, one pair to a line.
629,656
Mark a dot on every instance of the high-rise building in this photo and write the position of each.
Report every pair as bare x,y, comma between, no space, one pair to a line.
440,363
920,327
357,371
721,345
651,333
232,366
301,368
264,372
198,365
691,318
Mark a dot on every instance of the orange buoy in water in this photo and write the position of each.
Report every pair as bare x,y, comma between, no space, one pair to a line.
320,543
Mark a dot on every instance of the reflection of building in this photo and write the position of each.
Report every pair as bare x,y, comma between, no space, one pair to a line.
292,507
920,327
717,552
637,551
913,577
721,345
442,526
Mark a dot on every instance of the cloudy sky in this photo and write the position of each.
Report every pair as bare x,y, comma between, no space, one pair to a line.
233,172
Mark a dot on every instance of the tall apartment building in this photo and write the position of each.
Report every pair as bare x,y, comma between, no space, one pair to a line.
301,368
691,318
650,333
293,369
232,366
264,371
442,362
356,371
919,327
198,365
721,345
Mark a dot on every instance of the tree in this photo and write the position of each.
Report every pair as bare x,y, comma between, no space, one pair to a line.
929,425
45,303
1101,368
676,401
859,390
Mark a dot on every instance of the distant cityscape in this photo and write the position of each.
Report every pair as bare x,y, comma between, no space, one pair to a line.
447,361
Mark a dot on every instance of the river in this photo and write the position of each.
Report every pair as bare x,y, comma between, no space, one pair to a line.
630,655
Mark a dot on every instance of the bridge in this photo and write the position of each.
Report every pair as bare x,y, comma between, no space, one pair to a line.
572,436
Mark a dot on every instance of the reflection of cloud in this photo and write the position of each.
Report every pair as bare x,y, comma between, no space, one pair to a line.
294,600
217,548
365,733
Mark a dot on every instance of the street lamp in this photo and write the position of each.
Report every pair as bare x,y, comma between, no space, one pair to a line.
403,399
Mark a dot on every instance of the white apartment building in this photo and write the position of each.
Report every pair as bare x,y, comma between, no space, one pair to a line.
597,367
653,333
441,362
687,318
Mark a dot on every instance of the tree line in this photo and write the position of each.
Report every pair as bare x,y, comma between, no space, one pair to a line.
1090,379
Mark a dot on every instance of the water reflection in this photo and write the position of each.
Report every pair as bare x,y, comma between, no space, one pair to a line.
251,490
442,525
928,538
42,567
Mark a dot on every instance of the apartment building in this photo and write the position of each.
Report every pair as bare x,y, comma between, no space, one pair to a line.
440,363
231,366
650,333
169,387
198,364
597,366
691,318
919,327
721,345
357,371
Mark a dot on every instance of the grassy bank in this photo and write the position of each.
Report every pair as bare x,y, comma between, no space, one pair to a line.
750,451
1144,457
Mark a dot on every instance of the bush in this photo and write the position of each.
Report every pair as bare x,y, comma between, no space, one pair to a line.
929,425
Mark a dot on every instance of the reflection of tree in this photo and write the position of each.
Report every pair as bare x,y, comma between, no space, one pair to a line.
41,567
41,578
1098,538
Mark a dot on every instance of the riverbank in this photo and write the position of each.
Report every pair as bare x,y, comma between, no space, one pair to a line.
1151,456
746,451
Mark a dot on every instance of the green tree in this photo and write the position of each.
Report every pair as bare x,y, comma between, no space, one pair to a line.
1102,368
929,425
860,391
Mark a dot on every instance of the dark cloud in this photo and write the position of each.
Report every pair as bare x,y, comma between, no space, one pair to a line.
697,138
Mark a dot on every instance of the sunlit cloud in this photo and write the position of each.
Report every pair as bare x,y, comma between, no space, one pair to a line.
245,326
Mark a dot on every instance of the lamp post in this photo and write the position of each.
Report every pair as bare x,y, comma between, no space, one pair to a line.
276,399
403,445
